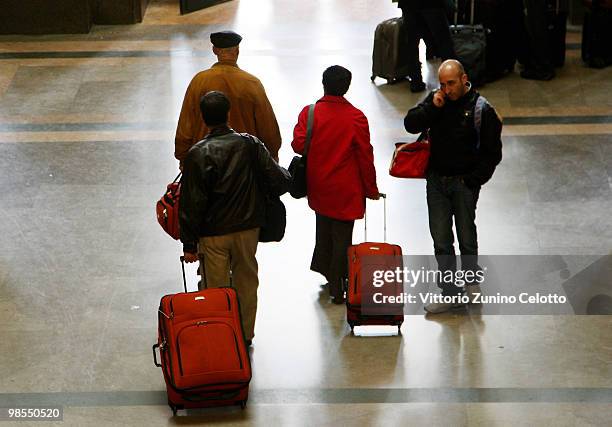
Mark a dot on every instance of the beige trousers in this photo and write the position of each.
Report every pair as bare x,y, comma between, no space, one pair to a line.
235,253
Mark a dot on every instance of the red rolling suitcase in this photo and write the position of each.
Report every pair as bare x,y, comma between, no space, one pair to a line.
203,355
388,257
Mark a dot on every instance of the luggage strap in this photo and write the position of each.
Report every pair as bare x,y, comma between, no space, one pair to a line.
365,219
480,103
309,124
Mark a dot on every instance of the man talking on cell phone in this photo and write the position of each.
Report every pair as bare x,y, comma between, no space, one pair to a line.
465,137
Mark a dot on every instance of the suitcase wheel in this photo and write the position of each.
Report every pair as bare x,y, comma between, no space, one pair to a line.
175,408
243,404
399,329
372,78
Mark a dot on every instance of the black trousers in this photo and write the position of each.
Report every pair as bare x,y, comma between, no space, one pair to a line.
536,24
333,237
432,25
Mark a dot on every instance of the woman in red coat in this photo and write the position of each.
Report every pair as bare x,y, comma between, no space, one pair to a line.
340,174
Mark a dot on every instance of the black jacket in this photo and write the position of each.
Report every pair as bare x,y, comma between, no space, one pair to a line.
453,137
220,190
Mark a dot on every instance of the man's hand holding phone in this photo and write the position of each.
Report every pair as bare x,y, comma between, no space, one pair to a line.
439,99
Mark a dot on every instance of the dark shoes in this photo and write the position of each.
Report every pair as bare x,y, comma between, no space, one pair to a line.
537,74
417,86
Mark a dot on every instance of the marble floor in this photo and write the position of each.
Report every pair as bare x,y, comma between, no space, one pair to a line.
86,148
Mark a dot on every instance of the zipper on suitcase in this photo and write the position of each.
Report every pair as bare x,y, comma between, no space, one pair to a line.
229,305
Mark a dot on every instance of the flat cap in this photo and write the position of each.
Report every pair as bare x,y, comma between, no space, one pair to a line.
224,39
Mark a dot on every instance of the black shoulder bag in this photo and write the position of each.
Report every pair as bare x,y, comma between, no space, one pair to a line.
275,221
297,167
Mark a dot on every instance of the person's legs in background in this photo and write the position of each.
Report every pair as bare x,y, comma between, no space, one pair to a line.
214,254
440,210
539,66
464,202
412,35
321,256
342,238
333,237
244,276
437,25
229,260
430,45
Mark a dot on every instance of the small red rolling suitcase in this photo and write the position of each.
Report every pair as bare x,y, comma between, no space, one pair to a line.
203,355
387,257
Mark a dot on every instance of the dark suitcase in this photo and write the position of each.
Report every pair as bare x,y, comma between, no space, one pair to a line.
597,33
203,355
503,21
470,42
386,257
389,59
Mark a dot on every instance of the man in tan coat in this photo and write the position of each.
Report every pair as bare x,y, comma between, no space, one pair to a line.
251,109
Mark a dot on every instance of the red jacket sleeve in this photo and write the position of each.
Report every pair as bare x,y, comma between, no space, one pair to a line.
365,156
299,132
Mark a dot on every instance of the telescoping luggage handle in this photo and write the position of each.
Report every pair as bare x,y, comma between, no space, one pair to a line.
183,268
203,275
471,12
365,219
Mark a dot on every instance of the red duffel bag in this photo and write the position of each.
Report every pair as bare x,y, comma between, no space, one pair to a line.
168,208
410,160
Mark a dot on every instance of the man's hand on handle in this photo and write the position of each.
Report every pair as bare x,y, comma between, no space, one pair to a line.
190,257
377,196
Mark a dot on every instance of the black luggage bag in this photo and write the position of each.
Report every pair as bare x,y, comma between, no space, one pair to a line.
505,32
470,42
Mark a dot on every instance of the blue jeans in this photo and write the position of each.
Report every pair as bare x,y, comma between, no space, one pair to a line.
448,197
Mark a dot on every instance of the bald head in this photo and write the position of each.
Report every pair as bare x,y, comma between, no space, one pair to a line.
453,79
451,66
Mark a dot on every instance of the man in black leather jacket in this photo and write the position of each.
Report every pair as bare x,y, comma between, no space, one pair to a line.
465,137
221,205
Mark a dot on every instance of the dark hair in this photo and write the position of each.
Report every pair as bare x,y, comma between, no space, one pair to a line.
336,80
214,106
